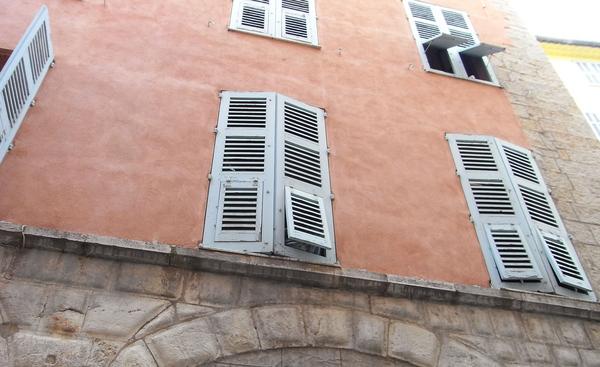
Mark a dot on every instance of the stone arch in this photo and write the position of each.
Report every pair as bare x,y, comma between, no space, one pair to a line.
259,330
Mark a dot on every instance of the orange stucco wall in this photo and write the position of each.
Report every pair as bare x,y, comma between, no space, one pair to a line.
121,140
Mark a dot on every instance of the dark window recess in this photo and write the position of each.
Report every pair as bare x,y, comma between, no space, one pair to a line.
475,67
438,59
4,55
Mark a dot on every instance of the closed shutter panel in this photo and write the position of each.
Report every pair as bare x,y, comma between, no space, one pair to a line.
253,15
297,19
302,180
543,216
22,76
425,25
459,25
239,213
499,224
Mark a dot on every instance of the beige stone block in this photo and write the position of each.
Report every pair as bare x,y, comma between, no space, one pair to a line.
134,355
413,344
150,279
280,326
212,289
369,333
235,331
539,328
397,308
328,327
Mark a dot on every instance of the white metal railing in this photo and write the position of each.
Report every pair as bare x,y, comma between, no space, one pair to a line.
22,75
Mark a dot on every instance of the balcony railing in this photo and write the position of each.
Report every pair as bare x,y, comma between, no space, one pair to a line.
21,77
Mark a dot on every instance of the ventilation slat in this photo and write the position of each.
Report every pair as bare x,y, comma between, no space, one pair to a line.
476,155
247,112
511,253
538,206
301,123
253,17
564,262
491,197
305,219
244,154
455,19
520,165
427,31
297,5
302,164
296,26
421,11
467,37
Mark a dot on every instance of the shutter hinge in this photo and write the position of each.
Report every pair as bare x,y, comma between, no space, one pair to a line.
328,151
216,130
324,114
209,176
471,219
332,196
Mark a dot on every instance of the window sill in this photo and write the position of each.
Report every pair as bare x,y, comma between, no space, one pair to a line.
317,46
434,71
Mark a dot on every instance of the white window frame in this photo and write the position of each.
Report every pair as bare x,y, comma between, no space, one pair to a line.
453,52
275,21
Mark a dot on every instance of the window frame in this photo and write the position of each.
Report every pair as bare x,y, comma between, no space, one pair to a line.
454,56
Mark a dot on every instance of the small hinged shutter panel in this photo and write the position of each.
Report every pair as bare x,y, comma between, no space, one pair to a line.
239,214
423,21
253,15
297,20
458,25
22,76
499,224
302,170
542,215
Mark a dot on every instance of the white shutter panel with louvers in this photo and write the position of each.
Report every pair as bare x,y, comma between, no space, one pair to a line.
423,21
303,196
239,215
543,217
22,76
500,224
297,20
254,15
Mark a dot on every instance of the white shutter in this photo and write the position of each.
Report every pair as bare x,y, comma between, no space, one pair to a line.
239,214
253,15
425,25
302,170
500,225
543,217
297,20
458,24
22,76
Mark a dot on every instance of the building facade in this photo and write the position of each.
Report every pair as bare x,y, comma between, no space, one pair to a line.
291,183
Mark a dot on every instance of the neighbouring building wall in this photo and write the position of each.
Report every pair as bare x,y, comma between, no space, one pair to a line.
563,143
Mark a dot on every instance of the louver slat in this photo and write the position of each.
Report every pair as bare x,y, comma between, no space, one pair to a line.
476,156
454,19
301,123
302,164
244,154
247,113
512,256
520,165
468,38
253,17
295,26
427,31
306,219
538,206
297,5
421,11
239,217
491,197
564,262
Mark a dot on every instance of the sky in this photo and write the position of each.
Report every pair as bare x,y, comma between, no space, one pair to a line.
567,19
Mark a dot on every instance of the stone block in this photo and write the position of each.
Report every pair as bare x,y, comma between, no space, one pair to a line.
64,268
212,289
302,357
6,257
573,332
450,317
539,328
235,331
30,350
480,321
134,355
355,359
397,308
328,327
262,292
591,358
369,333
258,358
65,322
352,300
280,326
506,324
187,344
187,311
23,303
413,344
164,319
534,352
120,315
103,351
566,356
150,279
593,329
455,354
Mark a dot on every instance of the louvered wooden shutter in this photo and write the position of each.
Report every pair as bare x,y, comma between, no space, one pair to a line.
302,180
543,216
424,22
494,210
458,25
297,20
254,15
22,76
239,214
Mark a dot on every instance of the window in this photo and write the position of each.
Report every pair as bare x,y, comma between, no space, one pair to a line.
591,71
22,71
594,121
269,189
524,241
292,20
448,43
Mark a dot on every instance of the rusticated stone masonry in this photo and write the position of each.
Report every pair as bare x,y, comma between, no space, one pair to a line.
75,300
562,142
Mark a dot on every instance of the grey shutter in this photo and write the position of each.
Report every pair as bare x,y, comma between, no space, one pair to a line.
253,15
22,76
543,216
500,226
302,170
297,20
239,214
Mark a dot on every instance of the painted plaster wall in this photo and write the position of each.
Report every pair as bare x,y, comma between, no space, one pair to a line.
121,140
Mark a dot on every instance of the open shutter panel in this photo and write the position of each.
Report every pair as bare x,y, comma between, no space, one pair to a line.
459,26
304,193
542,216
239,212
22,75
297,19
493,208
253,15
423,20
